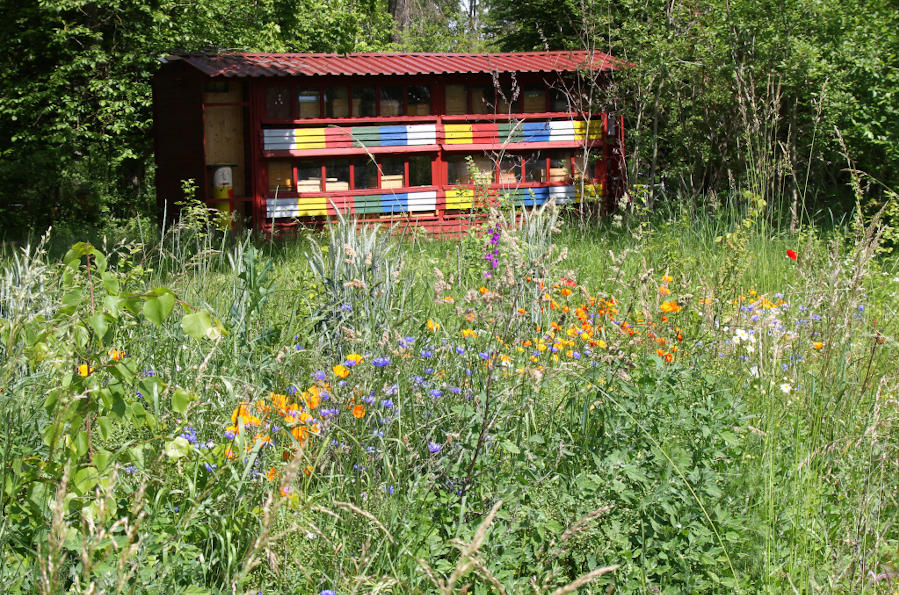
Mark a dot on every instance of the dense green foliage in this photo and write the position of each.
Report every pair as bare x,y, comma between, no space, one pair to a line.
746,93
75,110
780,98
681,406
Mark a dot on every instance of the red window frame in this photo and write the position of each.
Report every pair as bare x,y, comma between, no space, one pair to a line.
352,161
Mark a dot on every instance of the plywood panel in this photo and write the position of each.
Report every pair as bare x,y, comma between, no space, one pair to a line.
234,94
225,139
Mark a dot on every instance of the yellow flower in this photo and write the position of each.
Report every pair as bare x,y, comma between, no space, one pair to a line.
433,326
312,399
358,411
670,307
469,333
299,432
341,371
85,370
664,290
354,357
667,279
116,355
242,411
279,401
818,345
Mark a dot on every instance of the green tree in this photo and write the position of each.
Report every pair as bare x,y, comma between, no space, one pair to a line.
76,107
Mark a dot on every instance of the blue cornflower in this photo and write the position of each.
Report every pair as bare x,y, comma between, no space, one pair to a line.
319,375
455,390
130,469
229,434
189,434
426,353
346,307
387,403
380,362
434,447
210,467
460,350
327,592
436,393
392,390
429,371
389,489
292,390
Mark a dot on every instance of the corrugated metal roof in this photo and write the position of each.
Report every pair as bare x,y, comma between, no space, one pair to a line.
265,65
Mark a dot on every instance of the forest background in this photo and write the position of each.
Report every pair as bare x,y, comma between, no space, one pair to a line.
785,97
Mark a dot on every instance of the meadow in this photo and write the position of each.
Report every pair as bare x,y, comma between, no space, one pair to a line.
697,402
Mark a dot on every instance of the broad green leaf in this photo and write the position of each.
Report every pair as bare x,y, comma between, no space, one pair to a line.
79,443
177,448
101,459
81,334
510,447
100,325
73,298
198,325
111,283
181,399
158,308
86,478
105,425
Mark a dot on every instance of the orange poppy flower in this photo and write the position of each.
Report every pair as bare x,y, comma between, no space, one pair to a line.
670,307
242,411
341,371
358,411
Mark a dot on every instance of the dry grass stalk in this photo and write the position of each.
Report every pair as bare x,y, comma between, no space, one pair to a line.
585,579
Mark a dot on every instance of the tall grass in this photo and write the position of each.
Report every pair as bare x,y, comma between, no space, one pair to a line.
666,404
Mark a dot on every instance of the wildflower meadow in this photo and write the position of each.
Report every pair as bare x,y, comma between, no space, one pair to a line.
703,402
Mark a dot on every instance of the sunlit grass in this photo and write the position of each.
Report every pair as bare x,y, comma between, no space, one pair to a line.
648,404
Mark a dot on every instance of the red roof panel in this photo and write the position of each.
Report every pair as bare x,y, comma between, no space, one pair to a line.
266,65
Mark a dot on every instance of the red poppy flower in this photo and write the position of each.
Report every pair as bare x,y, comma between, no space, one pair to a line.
792,254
